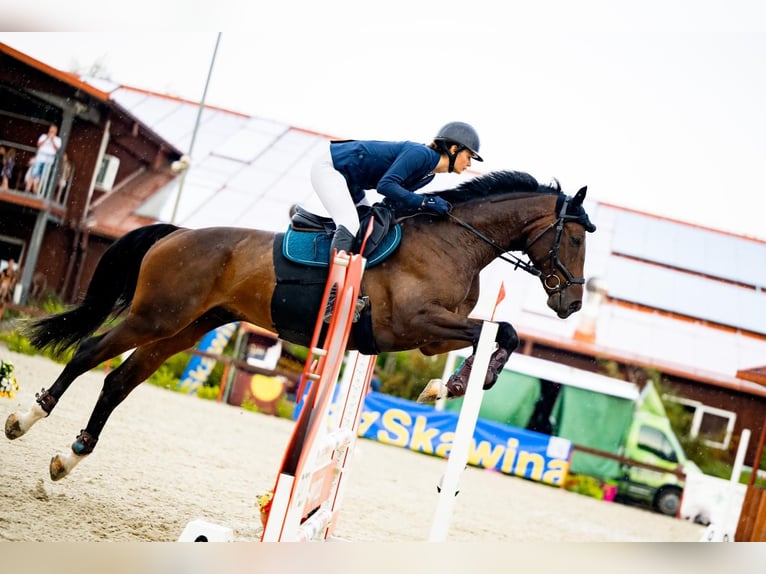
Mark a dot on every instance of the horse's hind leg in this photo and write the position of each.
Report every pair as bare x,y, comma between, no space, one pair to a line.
134,331
118,384
17,424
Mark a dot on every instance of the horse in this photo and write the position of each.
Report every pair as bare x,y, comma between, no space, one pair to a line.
172,285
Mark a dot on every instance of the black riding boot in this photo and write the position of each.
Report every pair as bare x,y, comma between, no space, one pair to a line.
343,240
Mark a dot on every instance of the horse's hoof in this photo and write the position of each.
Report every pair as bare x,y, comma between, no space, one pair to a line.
13,427
433,391
62,464
58,468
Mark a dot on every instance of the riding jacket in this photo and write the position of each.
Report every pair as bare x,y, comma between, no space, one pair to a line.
393,169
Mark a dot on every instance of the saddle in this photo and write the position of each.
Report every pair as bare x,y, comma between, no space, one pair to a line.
308,238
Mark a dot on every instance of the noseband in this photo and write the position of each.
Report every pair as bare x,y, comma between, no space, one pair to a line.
551,280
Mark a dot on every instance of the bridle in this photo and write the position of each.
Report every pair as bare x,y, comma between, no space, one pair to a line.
551,280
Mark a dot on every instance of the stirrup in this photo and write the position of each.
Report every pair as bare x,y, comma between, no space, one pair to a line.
361,304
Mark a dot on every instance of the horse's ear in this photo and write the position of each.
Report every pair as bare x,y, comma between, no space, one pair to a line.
580,196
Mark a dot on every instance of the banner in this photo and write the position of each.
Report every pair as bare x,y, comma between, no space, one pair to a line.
495,446
198,369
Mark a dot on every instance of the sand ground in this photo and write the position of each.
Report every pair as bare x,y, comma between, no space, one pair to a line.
166,458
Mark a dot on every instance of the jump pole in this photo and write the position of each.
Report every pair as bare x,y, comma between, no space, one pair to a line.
466,424
310,485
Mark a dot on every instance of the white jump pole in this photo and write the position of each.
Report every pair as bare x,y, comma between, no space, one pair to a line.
739,460
469,413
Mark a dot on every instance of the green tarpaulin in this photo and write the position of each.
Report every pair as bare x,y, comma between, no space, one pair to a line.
595,420
587,418
511,401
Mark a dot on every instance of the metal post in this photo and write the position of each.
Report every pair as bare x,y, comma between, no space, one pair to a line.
196,128
48,185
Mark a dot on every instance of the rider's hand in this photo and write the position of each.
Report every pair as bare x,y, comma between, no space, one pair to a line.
435,204
408,204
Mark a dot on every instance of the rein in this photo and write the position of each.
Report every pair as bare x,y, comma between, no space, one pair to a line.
551,281
504,255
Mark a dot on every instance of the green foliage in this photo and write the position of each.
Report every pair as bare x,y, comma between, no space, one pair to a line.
285,408
249,405
209,392
610,368
20,344
177,364
215,376
404,374
52,305
298,351
17,343
583,484
164,377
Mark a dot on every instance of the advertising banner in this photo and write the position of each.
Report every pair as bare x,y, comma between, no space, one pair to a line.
495,446
198,369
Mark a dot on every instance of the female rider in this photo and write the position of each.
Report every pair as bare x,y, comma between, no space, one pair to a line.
346,169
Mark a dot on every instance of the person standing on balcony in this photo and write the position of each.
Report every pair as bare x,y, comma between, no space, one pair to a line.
9,159
48,145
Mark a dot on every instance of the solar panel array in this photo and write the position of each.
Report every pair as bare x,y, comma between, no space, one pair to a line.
684,269
245,171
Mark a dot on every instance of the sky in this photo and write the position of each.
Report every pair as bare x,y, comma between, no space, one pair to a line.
654,105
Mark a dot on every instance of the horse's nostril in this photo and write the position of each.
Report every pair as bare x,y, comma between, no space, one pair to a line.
576,306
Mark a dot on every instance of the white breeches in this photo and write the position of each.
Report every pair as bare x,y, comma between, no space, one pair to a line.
330,186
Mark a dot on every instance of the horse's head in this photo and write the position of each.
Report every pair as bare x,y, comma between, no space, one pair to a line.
553,239
557,250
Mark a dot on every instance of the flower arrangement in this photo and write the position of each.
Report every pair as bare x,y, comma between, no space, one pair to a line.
264,504
8,383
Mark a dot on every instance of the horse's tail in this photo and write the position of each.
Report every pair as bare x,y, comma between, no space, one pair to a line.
110,292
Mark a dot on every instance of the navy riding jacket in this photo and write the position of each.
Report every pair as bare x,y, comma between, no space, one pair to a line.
393,169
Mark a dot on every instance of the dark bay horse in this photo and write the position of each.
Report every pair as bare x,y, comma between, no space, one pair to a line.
178,284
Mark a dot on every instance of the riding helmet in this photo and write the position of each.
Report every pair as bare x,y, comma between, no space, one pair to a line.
462,134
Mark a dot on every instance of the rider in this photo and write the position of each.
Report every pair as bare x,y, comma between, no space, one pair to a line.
346,169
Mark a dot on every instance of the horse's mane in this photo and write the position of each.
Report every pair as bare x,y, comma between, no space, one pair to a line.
494,183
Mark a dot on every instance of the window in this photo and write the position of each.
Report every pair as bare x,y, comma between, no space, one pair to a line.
655,441
710,425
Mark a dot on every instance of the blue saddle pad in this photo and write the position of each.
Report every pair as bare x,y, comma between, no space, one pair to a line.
313,247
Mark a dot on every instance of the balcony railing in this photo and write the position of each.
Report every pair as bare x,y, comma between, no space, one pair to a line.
57,192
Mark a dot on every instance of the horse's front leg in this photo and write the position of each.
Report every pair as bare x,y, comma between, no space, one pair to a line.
507,340
118,384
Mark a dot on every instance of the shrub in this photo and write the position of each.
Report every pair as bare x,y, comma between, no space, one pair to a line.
583,484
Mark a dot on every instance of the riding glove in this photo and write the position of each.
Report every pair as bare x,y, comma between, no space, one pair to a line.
435,204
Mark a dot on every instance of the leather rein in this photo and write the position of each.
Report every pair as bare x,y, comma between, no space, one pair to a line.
551,280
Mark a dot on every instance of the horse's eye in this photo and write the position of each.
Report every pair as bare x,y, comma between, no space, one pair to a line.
577,241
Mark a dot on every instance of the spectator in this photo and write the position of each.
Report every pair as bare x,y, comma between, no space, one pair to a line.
8,278
48,145
375,383
66,175
6,172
